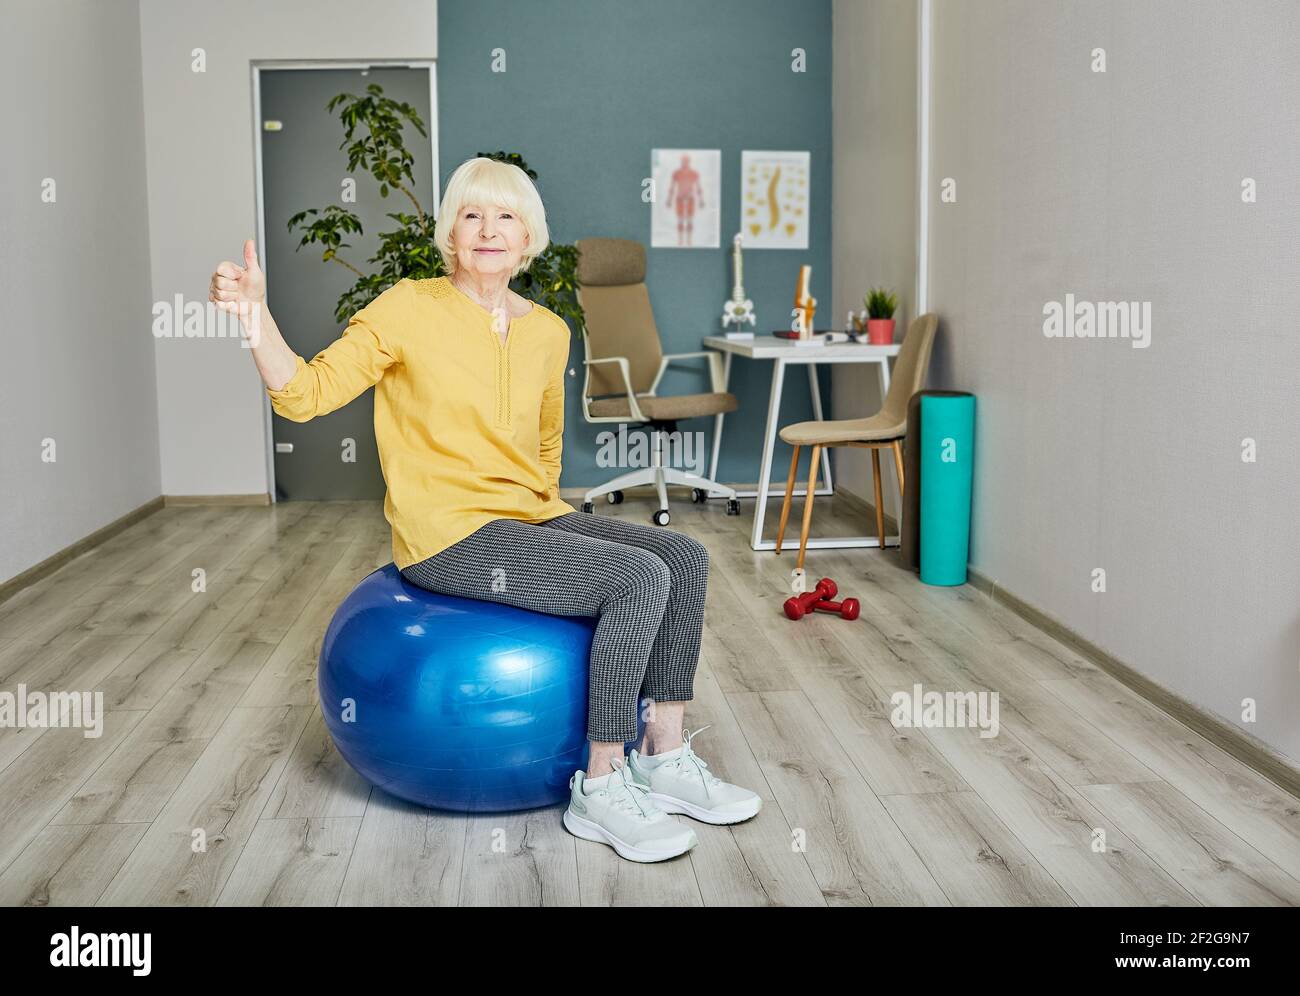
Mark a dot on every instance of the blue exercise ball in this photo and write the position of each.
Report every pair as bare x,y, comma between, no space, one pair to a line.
456,703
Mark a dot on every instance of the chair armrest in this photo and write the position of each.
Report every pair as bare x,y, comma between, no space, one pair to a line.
634,409
715,368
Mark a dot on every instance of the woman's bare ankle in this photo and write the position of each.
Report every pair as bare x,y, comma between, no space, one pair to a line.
663,728
601,758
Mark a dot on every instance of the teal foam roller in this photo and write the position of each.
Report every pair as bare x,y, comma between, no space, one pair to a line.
947,473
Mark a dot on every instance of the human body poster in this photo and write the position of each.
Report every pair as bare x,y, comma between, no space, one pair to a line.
684,212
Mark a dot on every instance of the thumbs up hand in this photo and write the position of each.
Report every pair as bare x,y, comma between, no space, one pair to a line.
239,289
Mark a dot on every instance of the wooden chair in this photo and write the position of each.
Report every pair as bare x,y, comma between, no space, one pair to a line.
883,430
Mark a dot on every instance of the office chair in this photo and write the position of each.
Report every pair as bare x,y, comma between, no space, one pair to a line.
624,363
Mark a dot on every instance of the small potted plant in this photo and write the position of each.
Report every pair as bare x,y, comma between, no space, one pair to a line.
881,305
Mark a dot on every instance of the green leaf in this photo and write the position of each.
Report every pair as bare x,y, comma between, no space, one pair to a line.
373,128
880,303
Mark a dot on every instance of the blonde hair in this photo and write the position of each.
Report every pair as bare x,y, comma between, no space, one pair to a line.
487,182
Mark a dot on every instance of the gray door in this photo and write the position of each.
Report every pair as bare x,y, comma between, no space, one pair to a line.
333,456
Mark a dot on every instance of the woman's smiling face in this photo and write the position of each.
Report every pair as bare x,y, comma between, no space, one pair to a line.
489,239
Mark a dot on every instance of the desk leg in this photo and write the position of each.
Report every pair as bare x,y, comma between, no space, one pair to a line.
769,444
828,485
717,421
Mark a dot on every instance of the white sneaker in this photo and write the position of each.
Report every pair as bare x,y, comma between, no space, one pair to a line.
621,815
680,782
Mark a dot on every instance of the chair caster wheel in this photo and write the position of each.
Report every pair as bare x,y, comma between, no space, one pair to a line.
660,518
615,497
733,506
588,507
698,496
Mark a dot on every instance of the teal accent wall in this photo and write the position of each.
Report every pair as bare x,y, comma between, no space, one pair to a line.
590,88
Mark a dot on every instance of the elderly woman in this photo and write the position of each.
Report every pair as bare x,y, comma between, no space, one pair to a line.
469,420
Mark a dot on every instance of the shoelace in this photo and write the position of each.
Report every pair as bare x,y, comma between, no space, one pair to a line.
631,796
687,760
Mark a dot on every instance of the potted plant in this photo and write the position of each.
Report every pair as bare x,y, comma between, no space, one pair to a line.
373,127
881,305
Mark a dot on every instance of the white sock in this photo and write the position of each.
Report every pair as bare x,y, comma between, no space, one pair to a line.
590,785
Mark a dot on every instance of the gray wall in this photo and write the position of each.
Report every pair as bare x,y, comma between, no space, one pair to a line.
874,243
74,275
213,412
1127,186
591,87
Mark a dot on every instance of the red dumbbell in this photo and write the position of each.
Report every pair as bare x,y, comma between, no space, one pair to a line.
849,608
798,606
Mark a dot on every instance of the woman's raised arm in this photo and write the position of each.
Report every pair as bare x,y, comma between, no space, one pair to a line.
338,373
241,290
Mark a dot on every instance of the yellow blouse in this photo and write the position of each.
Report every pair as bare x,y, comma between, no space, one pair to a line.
469,429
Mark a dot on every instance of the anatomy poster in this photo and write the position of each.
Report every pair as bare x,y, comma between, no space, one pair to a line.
684,212
774,189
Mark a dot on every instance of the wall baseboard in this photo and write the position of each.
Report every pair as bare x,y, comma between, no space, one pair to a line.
254,499
1249,750
52,563
866,509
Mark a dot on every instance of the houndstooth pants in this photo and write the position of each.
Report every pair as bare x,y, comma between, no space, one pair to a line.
646,583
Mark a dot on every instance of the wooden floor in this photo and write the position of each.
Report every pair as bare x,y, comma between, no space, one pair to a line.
1087,796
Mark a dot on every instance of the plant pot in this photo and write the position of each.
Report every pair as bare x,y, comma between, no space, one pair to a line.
880,331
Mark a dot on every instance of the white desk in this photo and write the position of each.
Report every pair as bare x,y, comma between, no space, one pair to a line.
785,353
